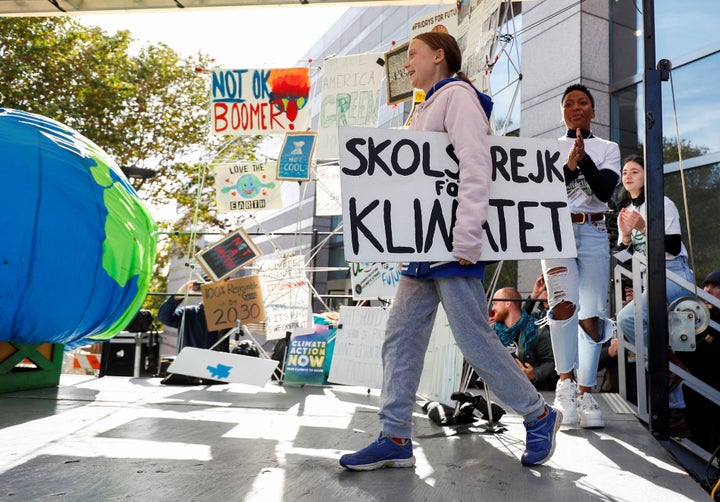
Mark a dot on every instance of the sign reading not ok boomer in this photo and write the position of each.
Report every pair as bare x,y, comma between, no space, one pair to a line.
399,191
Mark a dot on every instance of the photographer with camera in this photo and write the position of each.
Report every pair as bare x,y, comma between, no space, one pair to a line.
190,321
529,344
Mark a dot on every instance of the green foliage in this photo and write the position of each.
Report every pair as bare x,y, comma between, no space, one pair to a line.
508,274
145,106
701,185
670,149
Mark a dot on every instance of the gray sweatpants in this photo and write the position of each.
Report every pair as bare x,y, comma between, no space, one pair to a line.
407,336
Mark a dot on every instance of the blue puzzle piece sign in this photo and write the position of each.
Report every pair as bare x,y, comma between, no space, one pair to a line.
220,371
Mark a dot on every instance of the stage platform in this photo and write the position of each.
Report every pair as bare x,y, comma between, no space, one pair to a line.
119,438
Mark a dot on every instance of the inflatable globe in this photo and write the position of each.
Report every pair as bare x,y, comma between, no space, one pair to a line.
78,245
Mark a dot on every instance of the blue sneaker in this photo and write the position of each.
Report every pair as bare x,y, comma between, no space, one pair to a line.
540,440
382,453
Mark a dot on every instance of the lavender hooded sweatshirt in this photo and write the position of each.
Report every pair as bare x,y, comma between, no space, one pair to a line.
456,108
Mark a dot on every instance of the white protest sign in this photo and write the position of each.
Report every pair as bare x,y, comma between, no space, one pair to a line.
236,368
286,291
478,49
358,344
442,370
350,97
357,356
327,190
399,191
371,281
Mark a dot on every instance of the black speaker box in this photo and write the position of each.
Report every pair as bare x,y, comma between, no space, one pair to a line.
118,356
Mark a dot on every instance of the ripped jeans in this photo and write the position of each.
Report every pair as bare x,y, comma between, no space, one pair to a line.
584,282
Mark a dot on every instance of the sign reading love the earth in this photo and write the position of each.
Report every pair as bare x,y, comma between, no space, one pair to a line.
247,186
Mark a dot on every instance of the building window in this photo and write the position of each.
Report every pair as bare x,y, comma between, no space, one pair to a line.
702,185
696,97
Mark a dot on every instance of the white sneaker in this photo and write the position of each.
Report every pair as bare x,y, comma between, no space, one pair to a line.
565,401
589,412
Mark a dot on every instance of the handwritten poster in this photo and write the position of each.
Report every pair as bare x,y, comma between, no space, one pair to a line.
351,88
399,88
247,186
328,199
259,101
287,294
371,281
357,355
358,346
296,155
399,192
227,302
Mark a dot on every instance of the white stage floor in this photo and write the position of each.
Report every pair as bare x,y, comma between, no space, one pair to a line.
118,438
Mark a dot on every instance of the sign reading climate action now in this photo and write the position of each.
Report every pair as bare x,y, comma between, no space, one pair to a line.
399,192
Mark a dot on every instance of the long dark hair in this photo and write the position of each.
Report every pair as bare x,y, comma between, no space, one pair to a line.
624,199
439,40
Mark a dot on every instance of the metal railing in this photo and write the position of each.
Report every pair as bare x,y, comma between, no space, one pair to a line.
625,348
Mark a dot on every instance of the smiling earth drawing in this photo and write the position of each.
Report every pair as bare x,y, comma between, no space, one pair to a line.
248,186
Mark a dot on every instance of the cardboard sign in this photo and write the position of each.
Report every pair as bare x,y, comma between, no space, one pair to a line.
351,89
399,193
261,101
295,156
227,302
228,255
235,368
247,186
372,281
399,88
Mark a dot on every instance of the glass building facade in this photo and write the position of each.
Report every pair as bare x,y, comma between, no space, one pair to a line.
686,34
